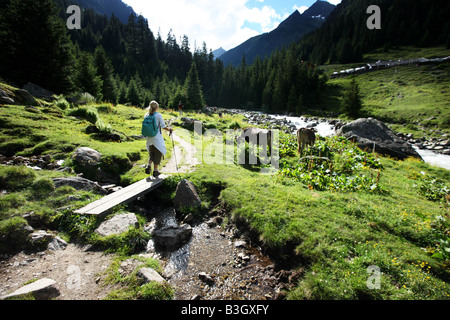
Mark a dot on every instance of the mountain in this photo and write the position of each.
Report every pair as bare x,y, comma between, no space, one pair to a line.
319,10
219,52
344,36
294,28
103,7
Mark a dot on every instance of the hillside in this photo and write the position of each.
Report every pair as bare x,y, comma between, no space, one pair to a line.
344,37
289,31
103,7
415,98
371,212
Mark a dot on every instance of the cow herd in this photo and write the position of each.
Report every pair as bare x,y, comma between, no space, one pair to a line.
305,137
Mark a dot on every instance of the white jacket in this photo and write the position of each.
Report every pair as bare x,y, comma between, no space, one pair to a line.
158,140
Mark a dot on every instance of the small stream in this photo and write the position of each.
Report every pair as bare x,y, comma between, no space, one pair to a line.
215,264
326,129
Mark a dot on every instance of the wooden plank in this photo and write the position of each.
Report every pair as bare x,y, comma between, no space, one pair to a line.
124,195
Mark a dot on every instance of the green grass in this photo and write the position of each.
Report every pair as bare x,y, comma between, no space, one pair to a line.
409,97
132,287
336,234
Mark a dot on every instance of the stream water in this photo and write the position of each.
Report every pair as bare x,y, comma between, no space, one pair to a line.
215,264
325,130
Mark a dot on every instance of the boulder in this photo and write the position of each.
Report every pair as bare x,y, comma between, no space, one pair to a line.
372,134
171,238
186,195
149,275
43,289
117,225
79,184
86,157
38,92
5,97
25,97
40,239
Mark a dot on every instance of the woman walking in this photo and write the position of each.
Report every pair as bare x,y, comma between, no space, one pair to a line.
156,146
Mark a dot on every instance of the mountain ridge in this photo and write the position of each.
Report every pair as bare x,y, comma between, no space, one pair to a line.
293,29
104,7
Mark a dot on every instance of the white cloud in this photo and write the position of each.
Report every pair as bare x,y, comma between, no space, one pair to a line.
301,8
218,23
335,2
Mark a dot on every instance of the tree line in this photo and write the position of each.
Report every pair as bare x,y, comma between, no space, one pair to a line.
127,63
344,37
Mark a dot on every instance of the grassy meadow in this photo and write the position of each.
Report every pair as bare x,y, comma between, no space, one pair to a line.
357,226
414,99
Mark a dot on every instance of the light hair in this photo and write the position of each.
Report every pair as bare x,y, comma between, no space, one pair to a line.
153,106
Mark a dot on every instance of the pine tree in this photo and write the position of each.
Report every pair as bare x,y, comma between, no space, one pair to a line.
122,96
35,46
105,70
193,90
87,79
352,100
133,95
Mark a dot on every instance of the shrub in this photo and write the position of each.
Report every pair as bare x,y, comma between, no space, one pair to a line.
88,113
103,127
62,104
134,156
347,169
432,188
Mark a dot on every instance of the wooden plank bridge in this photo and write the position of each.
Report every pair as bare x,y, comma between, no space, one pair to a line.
125,195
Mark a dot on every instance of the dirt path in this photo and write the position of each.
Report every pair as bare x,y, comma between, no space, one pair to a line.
184,157
78,272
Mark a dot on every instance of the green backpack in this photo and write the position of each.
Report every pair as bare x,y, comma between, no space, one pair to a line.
149,127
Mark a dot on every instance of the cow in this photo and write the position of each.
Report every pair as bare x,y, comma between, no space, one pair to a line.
305,137
258,137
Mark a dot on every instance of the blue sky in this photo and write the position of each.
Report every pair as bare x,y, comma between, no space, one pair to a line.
217,23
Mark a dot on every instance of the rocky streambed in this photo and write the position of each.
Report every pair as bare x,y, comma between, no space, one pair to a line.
217,262
435,151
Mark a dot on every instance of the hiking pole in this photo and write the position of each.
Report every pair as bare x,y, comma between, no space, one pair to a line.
175,155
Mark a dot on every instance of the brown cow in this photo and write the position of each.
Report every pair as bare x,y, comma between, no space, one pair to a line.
305,137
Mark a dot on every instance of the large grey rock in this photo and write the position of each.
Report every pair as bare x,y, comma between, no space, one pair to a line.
43,289
186,195
171,238
25,97
79,184
40,239
87,157
149,275
38,92
373,134
117,225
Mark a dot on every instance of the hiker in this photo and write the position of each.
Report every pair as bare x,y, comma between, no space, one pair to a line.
156,146
180,108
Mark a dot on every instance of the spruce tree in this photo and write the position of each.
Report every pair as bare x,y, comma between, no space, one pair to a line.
106,72
87,79
193,90
35,46
133,95
352,100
